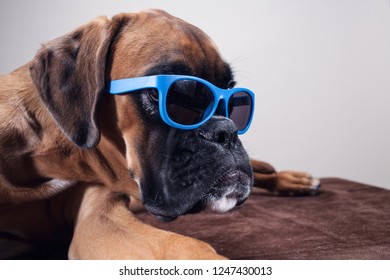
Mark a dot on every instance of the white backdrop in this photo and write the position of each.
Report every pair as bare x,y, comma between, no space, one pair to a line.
320,70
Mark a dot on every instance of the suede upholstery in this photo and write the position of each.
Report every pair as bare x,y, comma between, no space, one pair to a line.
346,220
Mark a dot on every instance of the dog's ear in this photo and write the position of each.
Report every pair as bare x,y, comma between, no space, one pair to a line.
69,73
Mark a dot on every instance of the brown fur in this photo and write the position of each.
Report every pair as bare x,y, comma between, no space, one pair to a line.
35,150
66,147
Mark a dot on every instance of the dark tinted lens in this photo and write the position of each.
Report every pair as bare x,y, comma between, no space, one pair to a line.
187,102
239,110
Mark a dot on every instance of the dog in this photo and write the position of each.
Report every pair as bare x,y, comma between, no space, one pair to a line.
75,161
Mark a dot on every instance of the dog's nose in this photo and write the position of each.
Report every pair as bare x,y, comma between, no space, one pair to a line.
219,130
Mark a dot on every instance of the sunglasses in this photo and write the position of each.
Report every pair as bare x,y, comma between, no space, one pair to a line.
187,102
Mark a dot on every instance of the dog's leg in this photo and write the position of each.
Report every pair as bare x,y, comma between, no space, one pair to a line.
106,229
283,182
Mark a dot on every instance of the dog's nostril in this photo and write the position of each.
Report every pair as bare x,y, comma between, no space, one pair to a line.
221,137
226,139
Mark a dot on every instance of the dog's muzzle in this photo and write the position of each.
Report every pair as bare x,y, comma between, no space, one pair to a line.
206,168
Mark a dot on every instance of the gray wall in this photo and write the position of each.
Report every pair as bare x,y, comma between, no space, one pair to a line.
320,70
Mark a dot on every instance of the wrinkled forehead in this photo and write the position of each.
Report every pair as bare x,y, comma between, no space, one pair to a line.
155,42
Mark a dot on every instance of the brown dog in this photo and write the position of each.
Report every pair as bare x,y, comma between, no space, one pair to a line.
74,160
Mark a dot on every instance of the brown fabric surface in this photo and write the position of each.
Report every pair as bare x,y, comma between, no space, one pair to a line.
346,220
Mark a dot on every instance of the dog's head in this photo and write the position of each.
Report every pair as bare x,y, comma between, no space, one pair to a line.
178,171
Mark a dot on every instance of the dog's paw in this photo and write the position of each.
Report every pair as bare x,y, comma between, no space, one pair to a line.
296,183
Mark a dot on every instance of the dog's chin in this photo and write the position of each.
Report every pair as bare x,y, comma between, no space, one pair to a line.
231,189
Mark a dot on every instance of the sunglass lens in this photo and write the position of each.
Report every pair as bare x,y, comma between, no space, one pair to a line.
240,109
188,101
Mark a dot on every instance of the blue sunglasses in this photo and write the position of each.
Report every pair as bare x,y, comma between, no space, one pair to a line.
187,102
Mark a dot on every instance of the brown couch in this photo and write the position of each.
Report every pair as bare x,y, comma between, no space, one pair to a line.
346,220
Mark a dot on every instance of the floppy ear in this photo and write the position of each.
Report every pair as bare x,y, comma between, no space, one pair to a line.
69,73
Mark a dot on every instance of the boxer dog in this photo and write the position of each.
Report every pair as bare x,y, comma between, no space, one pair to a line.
139,107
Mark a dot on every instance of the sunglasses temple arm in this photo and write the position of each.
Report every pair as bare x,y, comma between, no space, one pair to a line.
131,84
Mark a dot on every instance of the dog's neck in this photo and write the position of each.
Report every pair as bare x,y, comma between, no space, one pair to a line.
36,152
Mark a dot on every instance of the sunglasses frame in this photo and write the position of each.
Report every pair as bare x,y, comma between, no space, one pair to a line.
163,82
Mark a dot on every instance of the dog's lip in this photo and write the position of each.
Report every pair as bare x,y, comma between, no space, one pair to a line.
230,175
221,187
